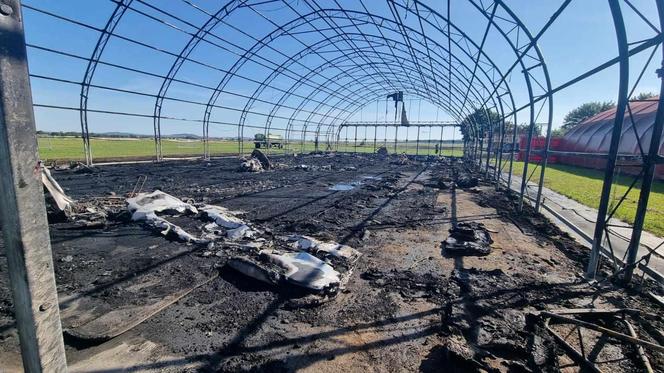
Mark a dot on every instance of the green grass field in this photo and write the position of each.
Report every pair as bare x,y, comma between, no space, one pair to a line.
71,148
585,186
581,184
104,149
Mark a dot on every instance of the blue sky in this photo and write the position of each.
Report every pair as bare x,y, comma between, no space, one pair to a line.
582,38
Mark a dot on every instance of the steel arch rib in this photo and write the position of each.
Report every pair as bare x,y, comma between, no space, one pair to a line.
455,28
200,34
105,36
270,36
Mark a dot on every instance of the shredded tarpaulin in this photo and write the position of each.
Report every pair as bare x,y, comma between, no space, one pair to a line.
146,205
239,233
304,269
334,249
254,270
222,216
251,165
172,229
262,158
61,199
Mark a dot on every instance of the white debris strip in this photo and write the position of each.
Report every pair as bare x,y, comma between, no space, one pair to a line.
304,269
145,205
223,217
310,244
170,228
239,233
61,199
252,165
253,270
236,227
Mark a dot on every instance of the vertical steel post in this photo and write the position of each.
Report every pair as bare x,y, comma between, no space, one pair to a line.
376,127
600,225
429,141
499,161
512,148
23,214
355,141
646,187
489,149
480,153
440,144
417,144
526,161
650,162
407,132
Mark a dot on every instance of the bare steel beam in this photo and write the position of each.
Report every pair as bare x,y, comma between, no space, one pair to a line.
23,214
649,173
600,224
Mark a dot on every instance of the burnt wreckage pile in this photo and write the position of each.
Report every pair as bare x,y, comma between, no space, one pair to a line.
468,238
318,266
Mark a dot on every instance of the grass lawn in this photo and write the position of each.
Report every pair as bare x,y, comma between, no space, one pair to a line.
581,184
585,186
71,148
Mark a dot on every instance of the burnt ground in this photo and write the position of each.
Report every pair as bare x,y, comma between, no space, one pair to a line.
407,307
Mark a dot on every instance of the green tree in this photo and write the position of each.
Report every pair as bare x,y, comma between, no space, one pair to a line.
558,132
522,129
481,122
583,112
644,96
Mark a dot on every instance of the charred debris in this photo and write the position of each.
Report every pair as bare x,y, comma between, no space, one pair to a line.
509,317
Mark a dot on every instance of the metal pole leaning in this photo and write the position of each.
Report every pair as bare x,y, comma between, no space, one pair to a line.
649,172
600,225
23,214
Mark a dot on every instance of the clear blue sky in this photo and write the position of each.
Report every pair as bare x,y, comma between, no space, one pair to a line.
582,38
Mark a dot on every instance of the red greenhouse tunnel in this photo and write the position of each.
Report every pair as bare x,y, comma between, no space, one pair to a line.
594,136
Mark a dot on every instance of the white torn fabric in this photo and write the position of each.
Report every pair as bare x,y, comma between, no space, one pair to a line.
145,205
310,244
223,216
56,191
252,165
169,228
239,233
253,270
212,228
304,269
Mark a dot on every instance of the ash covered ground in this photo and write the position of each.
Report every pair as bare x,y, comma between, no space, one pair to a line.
408,304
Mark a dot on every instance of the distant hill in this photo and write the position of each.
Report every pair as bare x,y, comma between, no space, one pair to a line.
117,134
183,136
189,136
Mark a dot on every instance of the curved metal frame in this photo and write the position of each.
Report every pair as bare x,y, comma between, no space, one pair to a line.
460,77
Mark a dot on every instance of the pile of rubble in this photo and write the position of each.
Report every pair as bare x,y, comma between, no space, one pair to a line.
298,260
257,162
402,160
323,267
468,239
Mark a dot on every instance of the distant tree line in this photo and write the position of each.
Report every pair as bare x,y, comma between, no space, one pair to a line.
78,134
482,120
590,109
124,135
